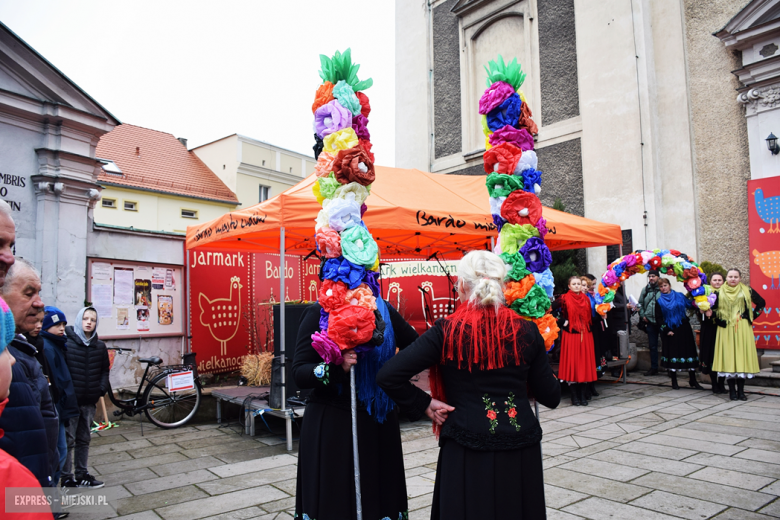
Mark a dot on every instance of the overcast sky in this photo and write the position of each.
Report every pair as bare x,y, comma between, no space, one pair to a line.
206,69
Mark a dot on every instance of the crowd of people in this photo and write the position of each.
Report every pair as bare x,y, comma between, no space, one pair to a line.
51,377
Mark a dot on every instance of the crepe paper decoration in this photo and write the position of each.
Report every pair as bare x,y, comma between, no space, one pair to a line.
315,188
331,117
323,219
534,305
324,165
318,146
360,126
350,326
500,185
341,140
342,270
354,165
502,159
546,281
511,73
328,242
326,348
541,225
362,296
495,205
323,95
515,266
343,213
363,207
485,130
375,267
505,114
548,328
340,68
532,181
327,186
365,106
527,160
496,94
509,134
324,320
366,145
537,255
521,207
602,308
372,280
332,295
514,236
346,96
518,290
358,191
498,221
525,120
359,247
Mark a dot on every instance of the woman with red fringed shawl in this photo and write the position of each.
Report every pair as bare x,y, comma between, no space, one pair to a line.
577,349
485,361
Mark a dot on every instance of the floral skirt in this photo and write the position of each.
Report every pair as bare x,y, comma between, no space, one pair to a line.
577,358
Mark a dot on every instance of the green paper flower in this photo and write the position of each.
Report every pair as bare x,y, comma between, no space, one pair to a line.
534,305
358,246
511,72
340,68
516,263
328,186
501,184
514,236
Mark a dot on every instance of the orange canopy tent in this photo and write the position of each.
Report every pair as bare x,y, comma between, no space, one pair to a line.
410,214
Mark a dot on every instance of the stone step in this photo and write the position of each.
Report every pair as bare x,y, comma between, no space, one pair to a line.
775,366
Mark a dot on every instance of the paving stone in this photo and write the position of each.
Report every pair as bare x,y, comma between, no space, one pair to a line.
288,486
186,466
209,441
677,505
241,514
716,493
259,452
421,458
249,466
740,514
142,463
598,509
219,449
145,515
125,477
417,486
248,480
102,449
762,444
552,462
170,482
280,505
772,509
420,514
772,489
603,469
421,502
205,507
732,478
109,458
735,464
722,438
593,485
554,514
158,499
654,450
557,497
579,419
693,444
760,455
155,451
637,460
191,436
551,450
424,443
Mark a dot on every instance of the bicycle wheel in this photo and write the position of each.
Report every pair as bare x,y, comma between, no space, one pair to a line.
168,409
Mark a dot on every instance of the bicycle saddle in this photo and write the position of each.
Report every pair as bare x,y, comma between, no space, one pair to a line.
154,360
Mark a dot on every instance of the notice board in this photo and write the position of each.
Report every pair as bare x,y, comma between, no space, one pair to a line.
135,298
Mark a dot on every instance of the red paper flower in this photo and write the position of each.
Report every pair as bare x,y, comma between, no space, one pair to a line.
324,95
491,415
332,295
366,145
512,413
502,158
354,165
329,242
522,207
365,106
350,326
655,262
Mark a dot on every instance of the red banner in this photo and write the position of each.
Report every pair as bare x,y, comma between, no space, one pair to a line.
764,219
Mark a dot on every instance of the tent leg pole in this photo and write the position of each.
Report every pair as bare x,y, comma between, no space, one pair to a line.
282,338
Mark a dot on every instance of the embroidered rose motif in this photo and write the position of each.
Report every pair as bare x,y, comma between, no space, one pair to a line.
511,411
491,415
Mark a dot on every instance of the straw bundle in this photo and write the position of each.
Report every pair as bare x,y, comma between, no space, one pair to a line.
257,368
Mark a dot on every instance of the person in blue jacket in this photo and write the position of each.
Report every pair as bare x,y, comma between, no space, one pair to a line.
55,349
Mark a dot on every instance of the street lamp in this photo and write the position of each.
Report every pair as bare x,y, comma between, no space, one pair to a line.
771,143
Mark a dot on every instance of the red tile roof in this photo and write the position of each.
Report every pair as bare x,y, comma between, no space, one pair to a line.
157,161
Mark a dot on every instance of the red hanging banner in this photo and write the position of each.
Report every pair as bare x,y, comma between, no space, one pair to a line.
764,221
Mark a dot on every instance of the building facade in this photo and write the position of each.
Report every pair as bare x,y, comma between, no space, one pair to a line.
635,101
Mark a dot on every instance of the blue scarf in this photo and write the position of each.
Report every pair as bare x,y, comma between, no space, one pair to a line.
673,307
377,402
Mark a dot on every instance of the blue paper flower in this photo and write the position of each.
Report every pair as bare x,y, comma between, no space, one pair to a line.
546,281
342,270
530,178
507,113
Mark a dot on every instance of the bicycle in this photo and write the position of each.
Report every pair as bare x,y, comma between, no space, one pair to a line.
163,407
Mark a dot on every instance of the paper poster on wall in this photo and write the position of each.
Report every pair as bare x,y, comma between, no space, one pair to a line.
143,292
142,319
101,271
101,299
123,286
170,280
122,318
164,309
158,278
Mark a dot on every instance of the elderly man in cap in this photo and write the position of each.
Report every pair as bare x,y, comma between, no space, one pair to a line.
648,300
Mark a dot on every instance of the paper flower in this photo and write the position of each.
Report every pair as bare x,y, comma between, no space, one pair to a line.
515,263
358,191
546,281
534,305
346,96
508,134
541,225
500,185
655,262
324,165
331,117
323,95
353,165
328,242
328,186
366,145
495,205
525,120
498,221
362,296
323,219
502,159
505,114
609,278
350,326
332,295
343,213
323,320
548,328
517,290
527,160
532,181
359,247
365,106
514,236
327,348
603,308
521,207
342,270
494,96
372,280
315,188
537,255
341,140
360,126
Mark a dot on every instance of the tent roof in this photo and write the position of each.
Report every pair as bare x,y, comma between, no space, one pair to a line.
410,213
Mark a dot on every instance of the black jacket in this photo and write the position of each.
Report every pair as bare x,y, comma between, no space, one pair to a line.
616,316
89,367
29,420
55,354
476,393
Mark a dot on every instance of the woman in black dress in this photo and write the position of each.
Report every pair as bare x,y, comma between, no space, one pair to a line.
707,336
485,360
676,334
326,482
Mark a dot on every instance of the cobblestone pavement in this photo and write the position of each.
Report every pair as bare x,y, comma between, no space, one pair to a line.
640,451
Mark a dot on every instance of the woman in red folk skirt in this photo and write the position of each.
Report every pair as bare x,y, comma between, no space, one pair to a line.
576,363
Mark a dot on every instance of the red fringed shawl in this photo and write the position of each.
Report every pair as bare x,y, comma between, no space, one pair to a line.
578,312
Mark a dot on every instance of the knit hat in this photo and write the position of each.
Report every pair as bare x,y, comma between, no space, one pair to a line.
53,317
7,325
654,272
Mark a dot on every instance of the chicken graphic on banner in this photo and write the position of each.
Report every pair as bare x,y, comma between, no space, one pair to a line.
222,315
764,208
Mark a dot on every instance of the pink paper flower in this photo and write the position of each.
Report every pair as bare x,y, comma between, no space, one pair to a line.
494,96
507,134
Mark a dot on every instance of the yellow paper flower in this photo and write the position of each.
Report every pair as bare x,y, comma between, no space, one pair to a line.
316,189
341,140
375,267
522,96
488,146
